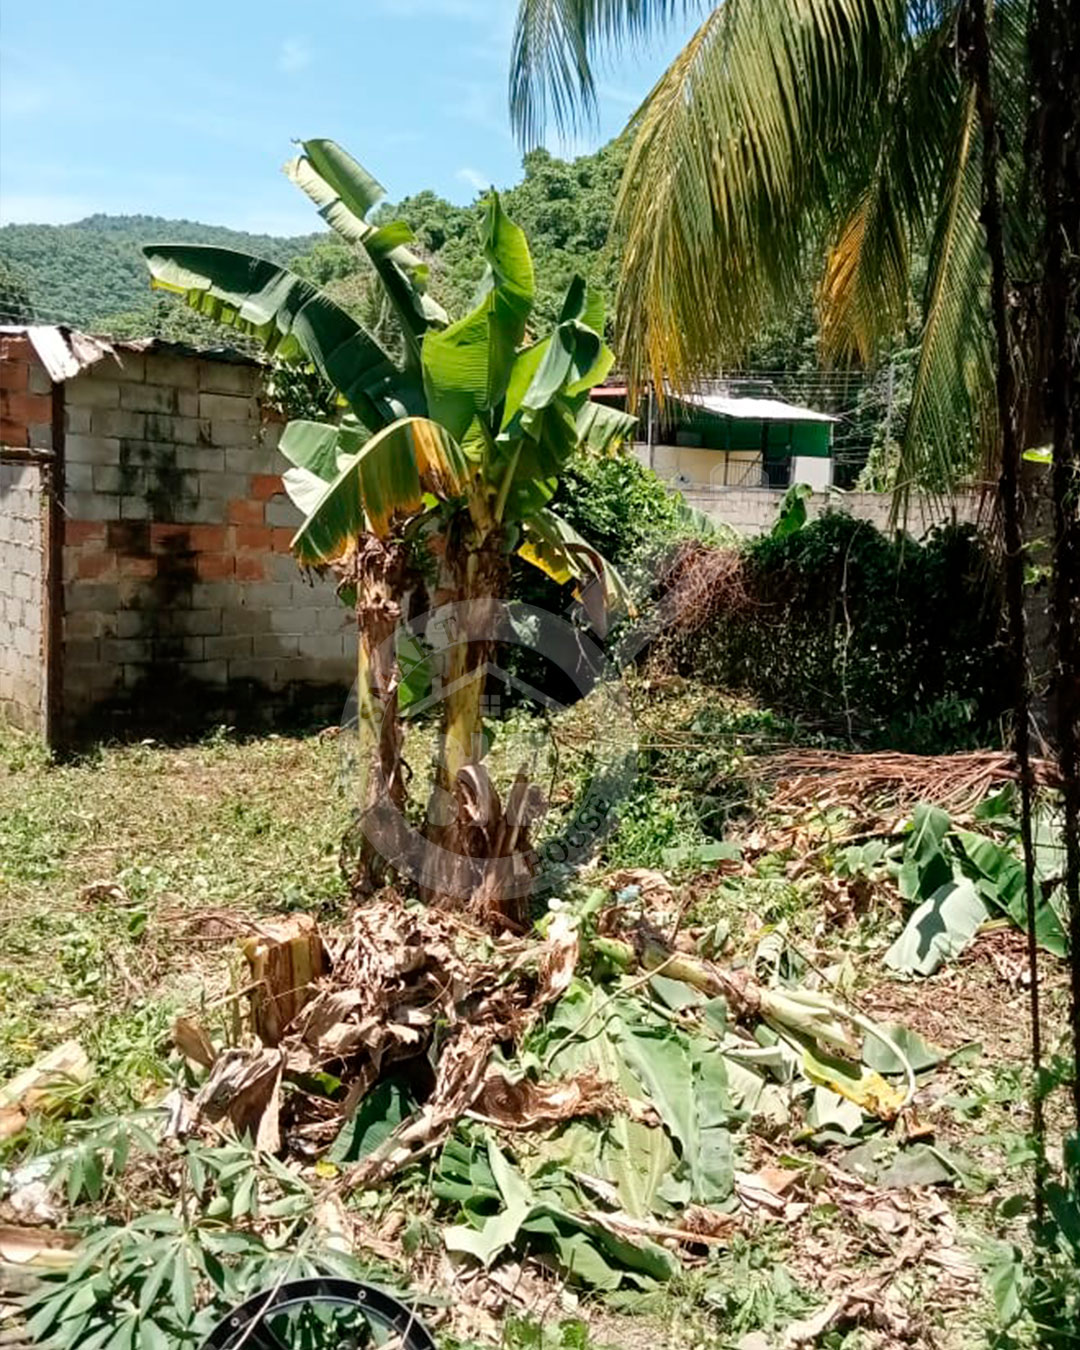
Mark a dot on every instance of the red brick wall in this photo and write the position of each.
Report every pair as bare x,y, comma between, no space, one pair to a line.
25,396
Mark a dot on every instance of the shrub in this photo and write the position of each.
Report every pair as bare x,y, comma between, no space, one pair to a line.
889,641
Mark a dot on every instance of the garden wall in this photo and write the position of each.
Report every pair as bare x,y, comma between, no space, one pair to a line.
752,511
182,602
22,600
175,601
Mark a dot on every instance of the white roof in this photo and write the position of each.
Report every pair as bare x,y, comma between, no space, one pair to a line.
755,409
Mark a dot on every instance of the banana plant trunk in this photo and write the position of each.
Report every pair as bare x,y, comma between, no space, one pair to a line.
380,574
483,839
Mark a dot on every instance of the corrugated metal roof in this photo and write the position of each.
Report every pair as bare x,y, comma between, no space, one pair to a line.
754,409
64,351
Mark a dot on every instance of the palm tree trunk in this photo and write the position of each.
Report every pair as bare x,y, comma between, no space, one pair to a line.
1055,48
976,55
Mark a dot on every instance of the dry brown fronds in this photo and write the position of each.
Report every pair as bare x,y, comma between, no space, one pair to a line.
700,582
956,782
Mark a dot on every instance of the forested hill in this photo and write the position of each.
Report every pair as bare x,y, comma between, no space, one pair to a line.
92,269
91,273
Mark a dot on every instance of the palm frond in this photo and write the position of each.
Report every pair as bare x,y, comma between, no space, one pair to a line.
556,43
865,292
951,406
733,172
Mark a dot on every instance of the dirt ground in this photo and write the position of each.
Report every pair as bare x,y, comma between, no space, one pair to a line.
128,877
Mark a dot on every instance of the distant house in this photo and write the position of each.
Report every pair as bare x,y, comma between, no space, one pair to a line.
725,440
146,579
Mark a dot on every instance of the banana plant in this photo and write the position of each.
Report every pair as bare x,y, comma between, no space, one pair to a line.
456,446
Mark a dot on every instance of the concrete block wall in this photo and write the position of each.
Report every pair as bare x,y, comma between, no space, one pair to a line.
752,511
182,602
25,425
22,599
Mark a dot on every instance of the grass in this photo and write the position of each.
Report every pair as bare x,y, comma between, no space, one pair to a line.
126,876
117,869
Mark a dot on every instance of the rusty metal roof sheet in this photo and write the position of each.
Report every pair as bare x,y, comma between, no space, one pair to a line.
64,352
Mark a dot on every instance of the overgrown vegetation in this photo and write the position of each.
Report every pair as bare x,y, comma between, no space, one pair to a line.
877,639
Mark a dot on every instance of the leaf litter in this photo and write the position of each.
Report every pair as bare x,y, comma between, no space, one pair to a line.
597,1103
588,1097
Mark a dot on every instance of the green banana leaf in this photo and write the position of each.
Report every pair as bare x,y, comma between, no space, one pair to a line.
319,446
293,320
547,413
635,1157
385,481
601,429
939,929
344,192
588,1253
467,366
567,363
998,875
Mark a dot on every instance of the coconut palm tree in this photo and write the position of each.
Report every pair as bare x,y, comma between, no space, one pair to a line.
798,142
450,453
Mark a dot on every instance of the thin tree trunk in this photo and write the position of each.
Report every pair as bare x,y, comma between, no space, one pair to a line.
479,833
1056,68
976,52
379,572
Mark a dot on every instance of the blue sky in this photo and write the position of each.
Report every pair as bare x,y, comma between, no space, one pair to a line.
188,110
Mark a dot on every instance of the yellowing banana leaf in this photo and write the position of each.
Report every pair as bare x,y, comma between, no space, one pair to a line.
344,193
467,366
292,319
384,482
865,1087
555,547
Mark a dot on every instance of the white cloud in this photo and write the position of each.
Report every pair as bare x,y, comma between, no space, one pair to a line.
475,179
293,55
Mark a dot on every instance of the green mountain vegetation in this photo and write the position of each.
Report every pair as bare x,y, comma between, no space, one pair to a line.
90,271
